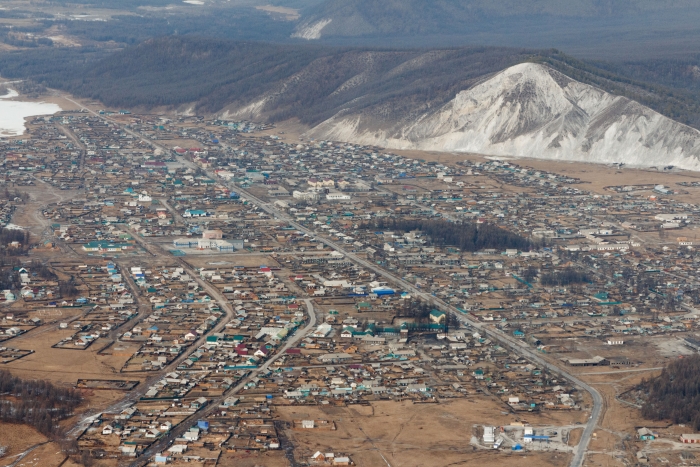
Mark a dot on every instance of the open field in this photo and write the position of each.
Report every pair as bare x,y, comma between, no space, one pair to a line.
596,176
409,434
18,438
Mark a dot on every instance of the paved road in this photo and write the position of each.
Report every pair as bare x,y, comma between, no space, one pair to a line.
504,339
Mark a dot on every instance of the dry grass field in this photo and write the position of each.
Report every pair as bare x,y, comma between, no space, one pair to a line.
20,439
407,434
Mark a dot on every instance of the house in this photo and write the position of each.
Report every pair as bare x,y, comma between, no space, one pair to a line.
645,434
334,357
198,403
192,434
195,213
128,450
27,292
100,246
321,183
595,361
321,457
337,197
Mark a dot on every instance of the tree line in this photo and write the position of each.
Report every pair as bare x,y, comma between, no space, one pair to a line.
8,236
35,402
566,276
467,236
674,394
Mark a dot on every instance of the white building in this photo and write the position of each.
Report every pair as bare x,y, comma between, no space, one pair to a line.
337,197
305,195
489,436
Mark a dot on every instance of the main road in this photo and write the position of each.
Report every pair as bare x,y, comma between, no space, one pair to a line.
502,338
516,345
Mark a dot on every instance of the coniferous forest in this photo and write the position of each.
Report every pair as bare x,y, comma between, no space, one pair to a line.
214,73
675,394
467,236
565,277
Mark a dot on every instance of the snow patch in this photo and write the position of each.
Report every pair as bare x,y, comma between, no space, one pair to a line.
311,31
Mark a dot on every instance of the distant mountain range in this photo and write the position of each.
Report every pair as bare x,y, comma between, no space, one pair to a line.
595,28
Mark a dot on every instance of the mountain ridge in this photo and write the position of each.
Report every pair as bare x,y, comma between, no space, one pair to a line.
531,110
374,89
587,28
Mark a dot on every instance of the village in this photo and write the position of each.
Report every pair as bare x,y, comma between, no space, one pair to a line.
229,286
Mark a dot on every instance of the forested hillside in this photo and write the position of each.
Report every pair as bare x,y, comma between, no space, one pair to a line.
675,394
313,82
304,81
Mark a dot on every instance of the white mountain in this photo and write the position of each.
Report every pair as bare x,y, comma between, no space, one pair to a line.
531,110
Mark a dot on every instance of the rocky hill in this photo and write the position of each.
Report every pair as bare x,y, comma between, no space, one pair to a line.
531,110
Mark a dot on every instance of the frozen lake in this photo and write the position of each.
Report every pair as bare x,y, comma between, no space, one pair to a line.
13,113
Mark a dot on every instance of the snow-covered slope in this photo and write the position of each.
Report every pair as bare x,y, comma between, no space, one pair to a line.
530,110
312,30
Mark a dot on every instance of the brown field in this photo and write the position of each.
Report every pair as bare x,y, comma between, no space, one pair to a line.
20,438
234,259
596,176
575,436
603,460
65,367
408,434
253,459
62,366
